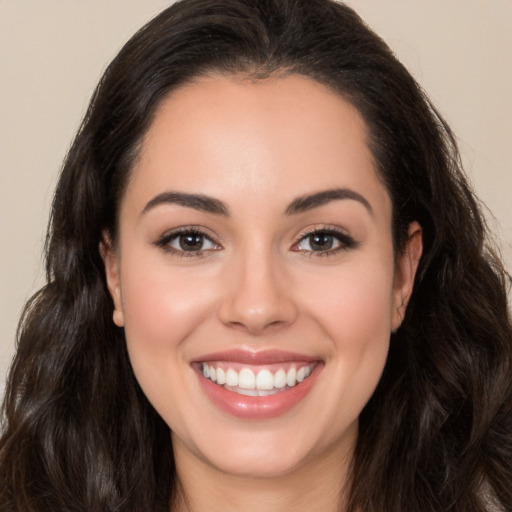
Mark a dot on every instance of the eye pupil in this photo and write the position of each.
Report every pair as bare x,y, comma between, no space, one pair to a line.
191,242
321,241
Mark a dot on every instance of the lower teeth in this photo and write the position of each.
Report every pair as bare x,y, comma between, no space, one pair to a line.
253,392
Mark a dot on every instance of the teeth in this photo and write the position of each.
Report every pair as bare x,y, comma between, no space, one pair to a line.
264,380
263,383
221,376
253,392
231,378
280,379
246,379
291,377
247,392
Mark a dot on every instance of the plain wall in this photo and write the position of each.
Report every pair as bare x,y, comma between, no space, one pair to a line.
52,53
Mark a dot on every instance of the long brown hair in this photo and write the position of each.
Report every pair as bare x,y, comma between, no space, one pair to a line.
78,433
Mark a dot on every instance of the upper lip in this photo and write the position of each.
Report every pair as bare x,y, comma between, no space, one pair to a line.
259,357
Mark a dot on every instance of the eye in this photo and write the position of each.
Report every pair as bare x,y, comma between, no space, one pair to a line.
319,242
324,241
189,241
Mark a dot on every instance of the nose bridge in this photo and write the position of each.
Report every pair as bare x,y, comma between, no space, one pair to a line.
257,297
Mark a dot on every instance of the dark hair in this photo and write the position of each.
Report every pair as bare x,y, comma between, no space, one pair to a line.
436,435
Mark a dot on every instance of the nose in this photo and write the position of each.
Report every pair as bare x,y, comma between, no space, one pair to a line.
258,297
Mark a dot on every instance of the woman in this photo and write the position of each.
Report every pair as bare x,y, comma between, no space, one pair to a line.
268,286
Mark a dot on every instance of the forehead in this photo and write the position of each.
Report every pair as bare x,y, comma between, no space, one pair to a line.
276,138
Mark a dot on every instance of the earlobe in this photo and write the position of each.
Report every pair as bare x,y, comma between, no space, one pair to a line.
406,267
111,264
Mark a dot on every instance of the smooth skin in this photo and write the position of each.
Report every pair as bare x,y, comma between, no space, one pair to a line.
248,274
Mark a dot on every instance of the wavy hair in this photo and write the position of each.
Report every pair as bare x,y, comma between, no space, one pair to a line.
79,434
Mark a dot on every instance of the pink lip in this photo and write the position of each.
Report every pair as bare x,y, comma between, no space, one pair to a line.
251,407
256,358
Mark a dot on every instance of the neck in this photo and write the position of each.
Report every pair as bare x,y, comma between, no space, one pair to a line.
317,485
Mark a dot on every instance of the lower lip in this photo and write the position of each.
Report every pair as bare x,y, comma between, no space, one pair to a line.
258,407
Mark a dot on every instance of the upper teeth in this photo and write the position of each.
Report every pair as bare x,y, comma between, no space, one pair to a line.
263,380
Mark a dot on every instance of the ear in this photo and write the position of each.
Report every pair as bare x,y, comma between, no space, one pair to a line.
405,272
111,263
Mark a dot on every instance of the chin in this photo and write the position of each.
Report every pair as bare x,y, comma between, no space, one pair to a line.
259,462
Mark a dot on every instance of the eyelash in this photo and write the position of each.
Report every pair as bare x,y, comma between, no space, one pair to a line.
165,241
346,242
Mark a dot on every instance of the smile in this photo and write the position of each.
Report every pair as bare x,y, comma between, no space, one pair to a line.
257,385
262,382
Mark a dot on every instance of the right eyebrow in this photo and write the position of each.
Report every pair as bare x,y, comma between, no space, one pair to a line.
198,202
311,201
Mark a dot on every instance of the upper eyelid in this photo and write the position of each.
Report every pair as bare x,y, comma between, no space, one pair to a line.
207,233
336,230
346,240
164,242
171,236
200,230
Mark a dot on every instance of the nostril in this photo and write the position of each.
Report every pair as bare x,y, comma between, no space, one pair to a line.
258,321
256,328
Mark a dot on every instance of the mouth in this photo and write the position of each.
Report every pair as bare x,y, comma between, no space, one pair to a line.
256,382
255,386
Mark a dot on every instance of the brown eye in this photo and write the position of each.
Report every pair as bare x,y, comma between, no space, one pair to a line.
320,241
188,241
191,242
324,242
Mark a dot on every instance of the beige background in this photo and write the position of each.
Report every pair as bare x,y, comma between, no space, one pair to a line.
52,53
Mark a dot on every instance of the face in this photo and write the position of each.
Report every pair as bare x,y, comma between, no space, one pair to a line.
254,272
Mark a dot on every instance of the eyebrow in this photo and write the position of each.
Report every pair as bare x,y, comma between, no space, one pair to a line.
311,201
300,205
198,202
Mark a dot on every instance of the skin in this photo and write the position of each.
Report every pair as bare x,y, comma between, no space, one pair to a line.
257,146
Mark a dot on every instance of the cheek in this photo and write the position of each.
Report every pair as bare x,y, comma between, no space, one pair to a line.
354,309
162,307
354,302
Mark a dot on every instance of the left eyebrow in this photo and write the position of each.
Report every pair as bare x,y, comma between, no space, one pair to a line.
198,202
311,201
